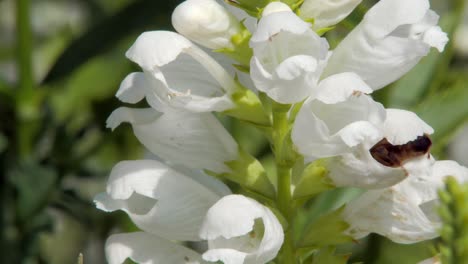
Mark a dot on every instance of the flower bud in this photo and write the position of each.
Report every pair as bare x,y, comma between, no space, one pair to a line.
206,22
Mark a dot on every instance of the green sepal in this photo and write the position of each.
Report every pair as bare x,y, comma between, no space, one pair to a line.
313,181
293,4
251,7
250,174
248,108
241,52
327,256
322,31
327,230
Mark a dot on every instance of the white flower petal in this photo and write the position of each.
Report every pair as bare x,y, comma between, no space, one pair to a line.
291,73
179,74
327,13
158,199
192,87
405,212
226,255
359,169
197,141
393,36
391,213
403,126
445,168
132,89
288,57
144,248
235,224
157,48
339,87
325,130
206,22
273,23
275,7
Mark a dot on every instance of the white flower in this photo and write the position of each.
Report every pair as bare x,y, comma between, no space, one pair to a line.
160,200
197,141
288,55
206,22
393,36
325,13
240,230
406,212
176,73
343,124
166,204
145,248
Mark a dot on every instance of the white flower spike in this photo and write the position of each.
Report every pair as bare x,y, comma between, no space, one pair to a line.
393,36
326,13
160,200
197,141
288,55
176,73
206,22
406,212
240,230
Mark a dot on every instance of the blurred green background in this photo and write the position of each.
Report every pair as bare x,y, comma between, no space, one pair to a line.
61,62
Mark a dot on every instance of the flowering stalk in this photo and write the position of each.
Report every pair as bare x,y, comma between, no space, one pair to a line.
284,163
314,106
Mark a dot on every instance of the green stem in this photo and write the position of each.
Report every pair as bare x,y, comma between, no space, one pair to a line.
24,44
284,164
26,81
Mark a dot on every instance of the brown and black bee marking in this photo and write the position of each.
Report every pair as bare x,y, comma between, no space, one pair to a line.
396,155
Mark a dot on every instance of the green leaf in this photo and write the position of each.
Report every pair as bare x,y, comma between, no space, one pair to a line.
3,142
136,17
327,256
445,111
98,79
327,230
35,185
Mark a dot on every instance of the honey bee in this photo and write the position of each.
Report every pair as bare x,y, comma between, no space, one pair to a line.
396,155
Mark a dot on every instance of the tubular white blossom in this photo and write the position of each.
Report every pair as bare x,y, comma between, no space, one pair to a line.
173,77
340,118
145,248
160,200
342,124
197,141
325,13
206,22
404,213
241,230
288,56
393,36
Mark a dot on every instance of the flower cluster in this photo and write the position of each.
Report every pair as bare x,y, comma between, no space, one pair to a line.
272,69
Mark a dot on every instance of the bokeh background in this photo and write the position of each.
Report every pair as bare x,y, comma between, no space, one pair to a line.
61,62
